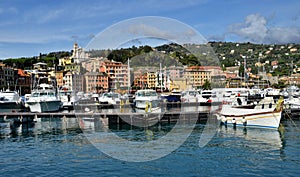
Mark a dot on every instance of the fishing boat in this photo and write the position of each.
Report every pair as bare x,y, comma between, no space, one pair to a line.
10,101
266,114
44,97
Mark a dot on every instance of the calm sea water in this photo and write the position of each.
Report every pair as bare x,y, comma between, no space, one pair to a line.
56,147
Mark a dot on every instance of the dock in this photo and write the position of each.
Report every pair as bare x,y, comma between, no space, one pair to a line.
113,118
119,116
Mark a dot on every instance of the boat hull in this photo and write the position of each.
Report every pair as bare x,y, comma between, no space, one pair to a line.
44,106
142,104
10,107
269,120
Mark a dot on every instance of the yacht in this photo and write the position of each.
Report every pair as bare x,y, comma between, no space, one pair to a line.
67,97
148,100
192,96
110,98
10,101
44,97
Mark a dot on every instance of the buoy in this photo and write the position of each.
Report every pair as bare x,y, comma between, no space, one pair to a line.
233,122
86,109
224,120
147,107
150,106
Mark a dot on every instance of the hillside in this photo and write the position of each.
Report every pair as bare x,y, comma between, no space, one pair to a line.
223,54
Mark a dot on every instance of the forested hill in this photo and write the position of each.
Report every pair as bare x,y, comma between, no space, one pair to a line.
27,62
225,54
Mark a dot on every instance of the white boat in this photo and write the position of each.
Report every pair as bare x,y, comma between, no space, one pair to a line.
67,97
266,114
110,98
147,99
10,101
192,96
44,98
292,102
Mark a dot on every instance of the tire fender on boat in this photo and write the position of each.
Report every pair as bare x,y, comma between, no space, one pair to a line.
224,119
233,121
244,121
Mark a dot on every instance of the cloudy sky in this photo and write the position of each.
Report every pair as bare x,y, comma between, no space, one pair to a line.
30,27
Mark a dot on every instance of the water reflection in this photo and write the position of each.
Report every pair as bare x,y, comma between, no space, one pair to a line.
41,126
260,139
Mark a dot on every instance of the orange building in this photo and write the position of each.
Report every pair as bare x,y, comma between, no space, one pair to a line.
117,73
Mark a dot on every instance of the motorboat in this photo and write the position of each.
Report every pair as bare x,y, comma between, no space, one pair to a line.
266,114
44,97
174,96
292,102
110,98
147,99
67,97
10,101
192,96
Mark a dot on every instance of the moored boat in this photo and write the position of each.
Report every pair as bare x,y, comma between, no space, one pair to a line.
67,97
10,101
147,99
266,114
44,97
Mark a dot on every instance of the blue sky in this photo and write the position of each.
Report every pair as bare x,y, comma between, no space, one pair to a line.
30,27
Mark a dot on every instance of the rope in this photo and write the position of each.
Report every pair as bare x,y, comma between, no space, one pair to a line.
286,113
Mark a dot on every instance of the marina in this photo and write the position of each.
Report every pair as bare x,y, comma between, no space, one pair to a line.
53,147
150,88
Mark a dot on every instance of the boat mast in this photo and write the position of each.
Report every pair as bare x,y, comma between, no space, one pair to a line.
128,75
258,71
160,77
245,70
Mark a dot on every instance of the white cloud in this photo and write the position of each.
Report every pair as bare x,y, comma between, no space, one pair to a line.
51,15
255,29
283,35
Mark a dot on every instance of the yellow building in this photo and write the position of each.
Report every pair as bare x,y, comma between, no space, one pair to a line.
196,76
151,79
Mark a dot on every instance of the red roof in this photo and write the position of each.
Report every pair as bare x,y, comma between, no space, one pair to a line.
21,72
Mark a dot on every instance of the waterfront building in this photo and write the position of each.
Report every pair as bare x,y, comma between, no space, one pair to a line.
40,66
117,73
152,80
22,81
59,75
96,82
196,76
140,79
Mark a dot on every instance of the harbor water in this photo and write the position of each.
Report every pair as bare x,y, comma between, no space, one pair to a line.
59,147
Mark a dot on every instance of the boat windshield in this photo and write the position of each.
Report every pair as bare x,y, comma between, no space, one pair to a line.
65,93
35,94
146,93
193,93
51,94
111,95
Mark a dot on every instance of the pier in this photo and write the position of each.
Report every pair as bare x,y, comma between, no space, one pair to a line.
126,117
113,118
